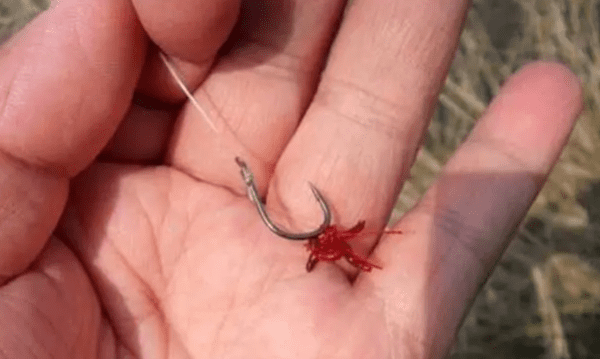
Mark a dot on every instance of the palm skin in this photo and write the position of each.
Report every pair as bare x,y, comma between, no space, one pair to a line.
172,260
192,284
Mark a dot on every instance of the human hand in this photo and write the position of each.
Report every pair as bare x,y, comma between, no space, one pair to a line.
172,260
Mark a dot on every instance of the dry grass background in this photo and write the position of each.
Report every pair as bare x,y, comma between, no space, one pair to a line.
14,14
543,300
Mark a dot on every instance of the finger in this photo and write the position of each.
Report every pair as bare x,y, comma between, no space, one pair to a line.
190,32
257,93
51,310
31,201
142,136
455,235
66,81
78,64
358,139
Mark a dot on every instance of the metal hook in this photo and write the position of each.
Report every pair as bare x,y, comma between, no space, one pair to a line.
254,197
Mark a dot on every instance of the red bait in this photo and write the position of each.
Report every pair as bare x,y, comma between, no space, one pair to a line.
332,245
327,243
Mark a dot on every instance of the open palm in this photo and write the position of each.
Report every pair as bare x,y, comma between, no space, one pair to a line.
152,250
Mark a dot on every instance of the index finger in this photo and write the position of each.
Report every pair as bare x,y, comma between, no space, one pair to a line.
66,81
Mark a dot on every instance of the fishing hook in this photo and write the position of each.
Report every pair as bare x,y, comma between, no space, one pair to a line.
254,197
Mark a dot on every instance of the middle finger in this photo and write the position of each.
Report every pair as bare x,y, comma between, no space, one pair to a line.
361,133
257,92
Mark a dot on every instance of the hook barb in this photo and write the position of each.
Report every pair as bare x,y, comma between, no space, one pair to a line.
254,197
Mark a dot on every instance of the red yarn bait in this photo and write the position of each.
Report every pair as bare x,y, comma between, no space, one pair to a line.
327,243
332,245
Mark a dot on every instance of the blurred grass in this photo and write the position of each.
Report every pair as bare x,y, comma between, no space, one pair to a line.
543,300
14,14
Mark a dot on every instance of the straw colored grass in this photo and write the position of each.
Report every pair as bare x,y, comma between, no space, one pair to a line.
14,14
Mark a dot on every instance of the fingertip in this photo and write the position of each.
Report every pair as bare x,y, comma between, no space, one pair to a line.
186,29
553,81
190,33
533,114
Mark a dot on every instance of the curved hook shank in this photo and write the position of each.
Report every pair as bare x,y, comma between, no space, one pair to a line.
254,197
